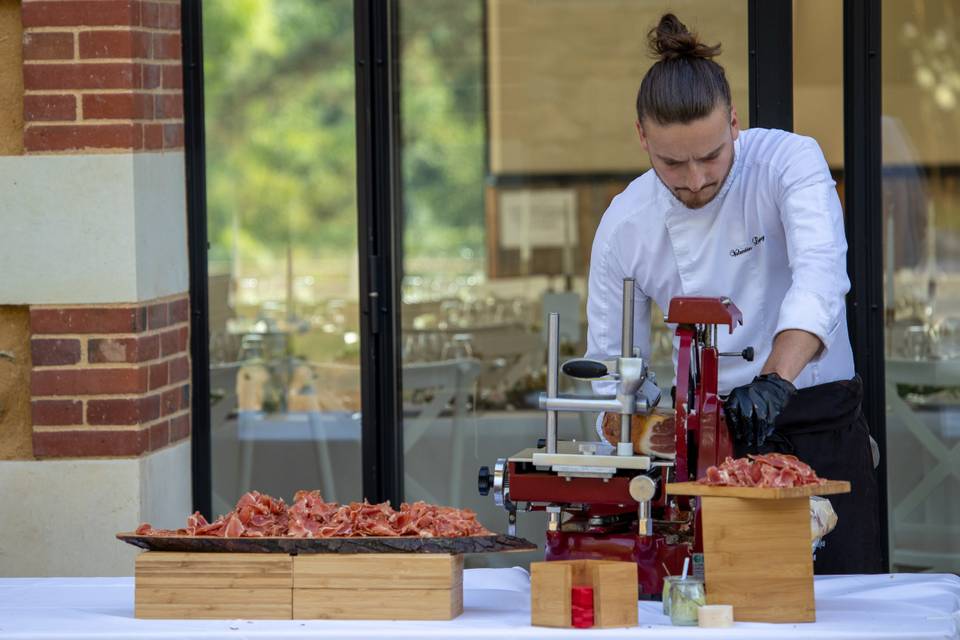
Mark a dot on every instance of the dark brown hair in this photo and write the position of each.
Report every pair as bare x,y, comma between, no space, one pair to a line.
685,84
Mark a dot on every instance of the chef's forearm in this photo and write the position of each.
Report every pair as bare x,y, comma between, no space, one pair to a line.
792,350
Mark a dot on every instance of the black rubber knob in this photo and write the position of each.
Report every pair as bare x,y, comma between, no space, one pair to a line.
484,481
541,443
748,354
583,368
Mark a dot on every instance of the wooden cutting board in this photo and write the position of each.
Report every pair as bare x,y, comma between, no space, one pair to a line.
830,487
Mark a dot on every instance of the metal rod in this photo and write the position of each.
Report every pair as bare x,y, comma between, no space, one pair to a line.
553,360
586,404
626,346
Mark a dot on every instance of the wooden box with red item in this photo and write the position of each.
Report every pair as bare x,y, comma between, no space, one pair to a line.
583,593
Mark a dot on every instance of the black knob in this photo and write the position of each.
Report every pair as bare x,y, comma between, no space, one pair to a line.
747,354
541,443
584,368
484,481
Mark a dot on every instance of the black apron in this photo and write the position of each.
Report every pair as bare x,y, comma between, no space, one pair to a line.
825,427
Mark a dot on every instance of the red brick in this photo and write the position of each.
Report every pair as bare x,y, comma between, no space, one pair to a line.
88,443
152,75
172,136
101,350
172,76
113,411
170,16
159,435
170,401
166,46
88,320
159,375
170,343
185,397
119,43
160,16
38,138
153,136
79,382
179,311
57,412
80,13
150,408
46,352
168,106
179,369
180,427
48,46
114,106
184,337
49,108
158,316
100,75
150,15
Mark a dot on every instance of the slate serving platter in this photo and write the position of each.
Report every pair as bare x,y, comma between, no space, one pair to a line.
494,543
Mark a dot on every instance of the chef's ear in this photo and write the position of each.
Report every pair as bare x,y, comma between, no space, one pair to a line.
643,137
734,122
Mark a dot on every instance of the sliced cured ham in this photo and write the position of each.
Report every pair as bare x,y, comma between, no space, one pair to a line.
259,515
761,470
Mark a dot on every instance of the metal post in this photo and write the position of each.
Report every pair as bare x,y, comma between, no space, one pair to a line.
626,351
553,383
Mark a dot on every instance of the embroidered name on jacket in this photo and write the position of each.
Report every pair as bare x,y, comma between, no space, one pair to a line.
739,252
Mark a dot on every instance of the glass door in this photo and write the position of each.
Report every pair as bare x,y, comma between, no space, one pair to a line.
282,228
921,250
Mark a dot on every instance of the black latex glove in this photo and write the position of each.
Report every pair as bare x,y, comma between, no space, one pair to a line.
752,409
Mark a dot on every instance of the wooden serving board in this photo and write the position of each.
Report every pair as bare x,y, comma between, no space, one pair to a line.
830,487
756,548
495,543
301,587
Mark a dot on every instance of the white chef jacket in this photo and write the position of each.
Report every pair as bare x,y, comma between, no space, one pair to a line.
772,240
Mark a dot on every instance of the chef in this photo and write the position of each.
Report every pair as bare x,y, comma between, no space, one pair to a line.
752,215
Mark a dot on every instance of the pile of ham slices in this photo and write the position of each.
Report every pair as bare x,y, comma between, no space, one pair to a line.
258,515
762,470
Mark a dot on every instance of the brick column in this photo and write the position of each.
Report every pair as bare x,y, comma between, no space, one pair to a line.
94,307
101,74
110,381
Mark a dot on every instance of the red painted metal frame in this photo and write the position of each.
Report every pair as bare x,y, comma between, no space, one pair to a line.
700,310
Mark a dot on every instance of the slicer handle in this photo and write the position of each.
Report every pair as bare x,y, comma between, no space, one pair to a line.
584,368
747,354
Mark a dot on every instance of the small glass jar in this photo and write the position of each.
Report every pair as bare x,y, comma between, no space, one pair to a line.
685,597
667,584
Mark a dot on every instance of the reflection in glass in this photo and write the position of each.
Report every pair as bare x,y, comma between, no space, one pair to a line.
921,217
280,149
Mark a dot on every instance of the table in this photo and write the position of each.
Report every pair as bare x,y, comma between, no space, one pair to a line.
496,605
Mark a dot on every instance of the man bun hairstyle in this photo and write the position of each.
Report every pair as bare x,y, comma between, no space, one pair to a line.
684,84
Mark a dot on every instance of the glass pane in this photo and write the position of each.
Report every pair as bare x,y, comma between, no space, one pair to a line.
514,112
284,352
921,218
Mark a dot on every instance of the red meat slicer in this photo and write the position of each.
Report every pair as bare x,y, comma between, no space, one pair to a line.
605,502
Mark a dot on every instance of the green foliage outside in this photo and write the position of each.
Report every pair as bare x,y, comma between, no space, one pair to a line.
280,132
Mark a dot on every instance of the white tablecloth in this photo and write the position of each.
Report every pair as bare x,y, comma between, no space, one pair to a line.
496,605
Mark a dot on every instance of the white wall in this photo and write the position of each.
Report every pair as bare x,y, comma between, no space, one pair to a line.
89,229
60,517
